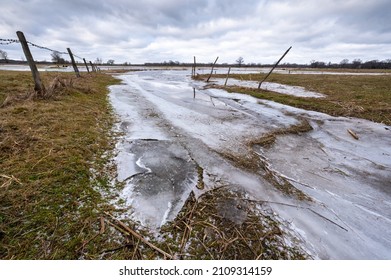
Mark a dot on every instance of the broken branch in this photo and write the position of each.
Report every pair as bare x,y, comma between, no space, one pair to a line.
138,236
354,135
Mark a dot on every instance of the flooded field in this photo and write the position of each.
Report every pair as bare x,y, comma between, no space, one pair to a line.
179,137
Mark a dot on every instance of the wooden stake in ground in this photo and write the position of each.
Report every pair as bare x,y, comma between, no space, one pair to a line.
39,88
85,63
211,71
73,63
92,66
194,67
264,79
226,79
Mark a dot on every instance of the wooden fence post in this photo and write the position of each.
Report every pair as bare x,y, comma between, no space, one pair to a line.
39,88
85,63
73,63
226,79
211,71
194,67
92,66
260,83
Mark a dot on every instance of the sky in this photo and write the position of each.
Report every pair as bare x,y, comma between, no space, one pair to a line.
260,31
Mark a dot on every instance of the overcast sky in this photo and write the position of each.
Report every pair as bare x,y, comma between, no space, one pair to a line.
162,30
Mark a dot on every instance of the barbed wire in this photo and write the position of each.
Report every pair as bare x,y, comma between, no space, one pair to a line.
45,48
12,41
8,41
77,56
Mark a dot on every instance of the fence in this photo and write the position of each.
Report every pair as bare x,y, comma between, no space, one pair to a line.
39,87
38,84
193,69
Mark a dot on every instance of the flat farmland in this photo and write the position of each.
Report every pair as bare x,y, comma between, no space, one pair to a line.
362,94
154,164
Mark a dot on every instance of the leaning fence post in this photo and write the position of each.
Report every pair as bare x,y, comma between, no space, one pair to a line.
73,63
37,79
226,79
260,83
85,63
211,71
92,66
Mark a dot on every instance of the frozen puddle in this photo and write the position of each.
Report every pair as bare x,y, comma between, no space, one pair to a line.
173,134
349,178
275,87
161,178
157,172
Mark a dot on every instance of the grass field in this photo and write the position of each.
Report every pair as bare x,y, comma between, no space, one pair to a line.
367,97
48,149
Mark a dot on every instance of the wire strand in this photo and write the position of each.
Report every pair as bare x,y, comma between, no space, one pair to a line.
8,41
12,41
45,48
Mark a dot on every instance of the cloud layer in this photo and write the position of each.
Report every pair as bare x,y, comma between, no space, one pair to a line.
162,30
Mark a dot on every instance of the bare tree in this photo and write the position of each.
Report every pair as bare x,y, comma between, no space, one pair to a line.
344,63
4,55
240,61
110,62
56,58
98,61
318,64
357,63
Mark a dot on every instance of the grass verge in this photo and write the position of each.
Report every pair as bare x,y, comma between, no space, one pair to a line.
48,148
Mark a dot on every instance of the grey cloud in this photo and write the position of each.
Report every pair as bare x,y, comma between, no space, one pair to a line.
178,29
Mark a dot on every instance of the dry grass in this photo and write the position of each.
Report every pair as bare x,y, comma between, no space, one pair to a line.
48,147
222,224
365,97
269,139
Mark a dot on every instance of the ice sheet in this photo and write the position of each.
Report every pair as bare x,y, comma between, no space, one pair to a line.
170,132
275,87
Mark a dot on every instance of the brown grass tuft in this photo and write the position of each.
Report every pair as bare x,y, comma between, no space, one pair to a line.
221,224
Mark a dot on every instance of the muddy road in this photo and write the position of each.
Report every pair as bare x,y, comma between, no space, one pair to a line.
329,190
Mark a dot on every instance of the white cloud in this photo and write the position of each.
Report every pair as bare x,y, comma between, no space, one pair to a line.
158,30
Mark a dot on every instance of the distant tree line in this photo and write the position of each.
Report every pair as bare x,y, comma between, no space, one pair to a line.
345,63
355,64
